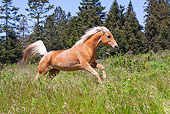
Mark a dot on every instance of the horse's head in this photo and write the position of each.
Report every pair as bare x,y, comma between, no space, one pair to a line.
108,39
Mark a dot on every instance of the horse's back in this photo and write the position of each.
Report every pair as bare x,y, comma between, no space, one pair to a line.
62,60
50,56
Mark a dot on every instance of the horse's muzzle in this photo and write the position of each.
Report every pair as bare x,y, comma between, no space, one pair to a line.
115,47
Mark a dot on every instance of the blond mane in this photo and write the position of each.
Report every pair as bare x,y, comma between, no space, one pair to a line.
91,32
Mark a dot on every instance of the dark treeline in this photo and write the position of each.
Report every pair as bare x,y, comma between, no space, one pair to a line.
61,30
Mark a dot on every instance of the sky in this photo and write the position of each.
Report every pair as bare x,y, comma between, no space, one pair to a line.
72,6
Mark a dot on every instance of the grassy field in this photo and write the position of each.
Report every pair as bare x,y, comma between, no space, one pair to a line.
135,84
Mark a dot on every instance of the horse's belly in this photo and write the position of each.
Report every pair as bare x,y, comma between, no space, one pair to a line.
69,69
67,66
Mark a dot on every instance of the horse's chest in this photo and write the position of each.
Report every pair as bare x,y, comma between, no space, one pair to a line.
91,58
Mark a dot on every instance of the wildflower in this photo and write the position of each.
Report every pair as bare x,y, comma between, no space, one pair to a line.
117,105
65,104
81,110
130,73
85,75
121,67
148,107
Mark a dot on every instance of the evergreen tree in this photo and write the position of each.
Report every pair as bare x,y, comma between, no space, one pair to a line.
2,50
90,14
55,27
23,27
14,48
134,37
157,25
8,16
10,46
73,31
151,26
37,10
113,17
12,52
164,16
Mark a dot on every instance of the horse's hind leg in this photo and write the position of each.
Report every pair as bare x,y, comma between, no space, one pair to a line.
42,68
52,74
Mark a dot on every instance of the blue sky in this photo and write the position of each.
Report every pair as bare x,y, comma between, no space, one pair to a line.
72,6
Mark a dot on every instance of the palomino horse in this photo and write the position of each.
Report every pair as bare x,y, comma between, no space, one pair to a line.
81,56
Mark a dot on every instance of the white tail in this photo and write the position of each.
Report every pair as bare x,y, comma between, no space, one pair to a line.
37,47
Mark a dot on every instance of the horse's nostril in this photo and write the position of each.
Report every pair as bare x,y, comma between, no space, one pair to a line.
116,47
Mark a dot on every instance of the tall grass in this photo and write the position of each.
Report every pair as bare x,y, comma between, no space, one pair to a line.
135,84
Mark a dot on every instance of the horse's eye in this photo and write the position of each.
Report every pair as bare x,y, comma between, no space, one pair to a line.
108,37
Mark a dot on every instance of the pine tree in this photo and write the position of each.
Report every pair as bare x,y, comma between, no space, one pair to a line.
14,49
91,13
10,46
11,49
37,10
8,16
3,50
163,16
23,27
133,34
55,27
113,17
151,26
157,25
73,31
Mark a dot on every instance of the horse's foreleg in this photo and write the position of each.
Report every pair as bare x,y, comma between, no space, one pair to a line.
101,67
87,67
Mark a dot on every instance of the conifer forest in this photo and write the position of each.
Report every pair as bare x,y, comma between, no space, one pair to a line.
61,30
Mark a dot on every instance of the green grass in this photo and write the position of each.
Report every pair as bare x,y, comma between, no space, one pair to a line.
135,84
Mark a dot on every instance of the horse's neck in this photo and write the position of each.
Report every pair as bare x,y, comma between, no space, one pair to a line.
94,41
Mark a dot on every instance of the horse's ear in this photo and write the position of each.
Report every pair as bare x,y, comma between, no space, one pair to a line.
102,31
